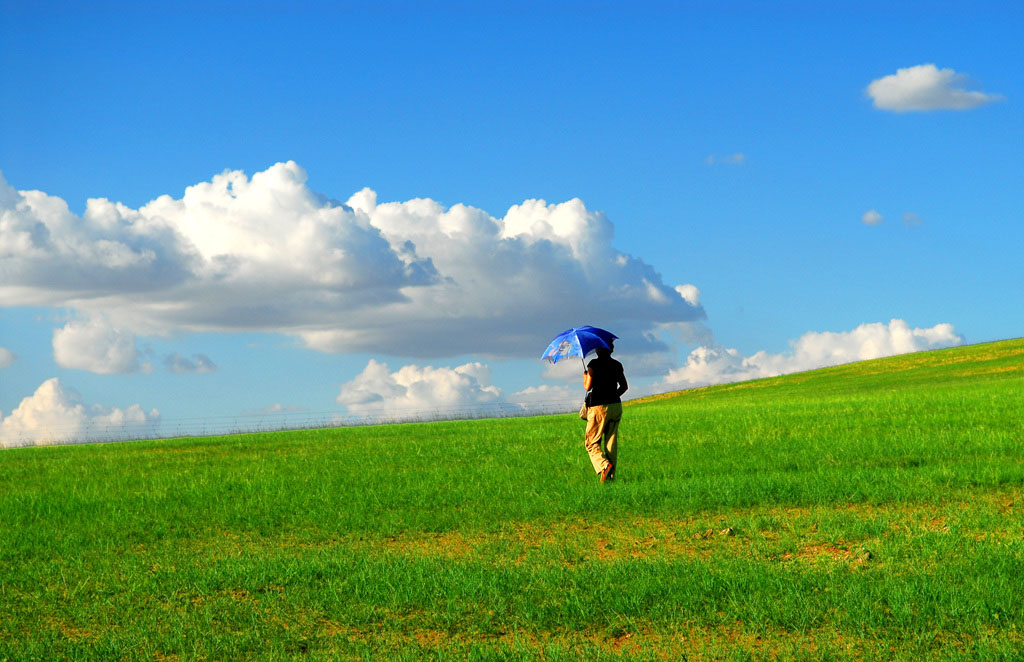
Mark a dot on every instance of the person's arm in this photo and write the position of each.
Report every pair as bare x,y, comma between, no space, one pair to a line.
587,380
623,386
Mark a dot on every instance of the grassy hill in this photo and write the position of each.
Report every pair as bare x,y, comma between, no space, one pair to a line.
868,511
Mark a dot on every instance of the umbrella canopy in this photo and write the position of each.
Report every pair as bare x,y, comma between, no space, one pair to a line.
577,341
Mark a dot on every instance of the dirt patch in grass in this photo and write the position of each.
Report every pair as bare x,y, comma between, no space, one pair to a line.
796,534
693,642
448,545
835,552
749,532
70,632
240,595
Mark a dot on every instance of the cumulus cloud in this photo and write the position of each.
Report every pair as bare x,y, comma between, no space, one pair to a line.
871,217
925,87
569,369
55,414
96,346
714,364
425,392
199,364
549,395
690,294
266,253
414,390
7,357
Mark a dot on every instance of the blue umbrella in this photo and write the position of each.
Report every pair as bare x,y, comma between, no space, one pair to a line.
577,341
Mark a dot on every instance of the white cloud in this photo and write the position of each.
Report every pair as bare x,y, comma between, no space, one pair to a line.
690,294
416,392
713,364
7,357
55,414
910,219
925,87
685,333
96,346
871,217
568,370
278,408
199,364
268,254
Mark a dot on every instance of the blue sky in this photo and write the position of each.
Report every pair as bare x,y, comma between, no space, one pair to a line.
729,147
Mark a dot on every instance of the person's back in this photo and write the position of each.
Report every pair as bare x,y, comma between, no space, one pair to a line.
605,373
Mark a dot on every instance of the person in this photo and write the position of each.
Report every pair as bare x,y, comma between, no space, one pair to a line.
605,381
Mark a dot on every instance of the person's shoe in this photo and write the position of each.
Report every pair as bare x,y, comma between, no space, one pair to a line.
608,472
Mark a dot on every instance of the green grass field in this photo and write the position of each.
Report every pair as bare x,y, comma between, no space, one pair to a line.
873,511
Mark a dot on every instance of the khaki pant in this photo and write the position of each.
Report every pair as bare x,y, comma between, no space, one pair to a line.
603,421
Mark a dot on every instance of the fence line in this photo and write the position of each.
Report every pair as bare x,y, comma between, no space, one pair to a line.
91,431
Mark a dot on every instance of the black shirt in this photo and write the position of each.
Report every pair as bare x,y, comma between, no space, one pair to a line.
604,380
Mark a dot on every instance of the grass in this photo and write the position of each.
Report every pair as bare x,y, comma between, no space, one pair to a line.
868,511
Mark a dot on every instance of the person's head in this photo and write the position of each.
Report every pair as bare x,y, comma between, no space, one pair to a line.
601,351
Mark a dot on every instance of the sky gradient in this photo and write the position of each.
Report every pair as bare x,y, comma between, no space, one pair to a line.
228,214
